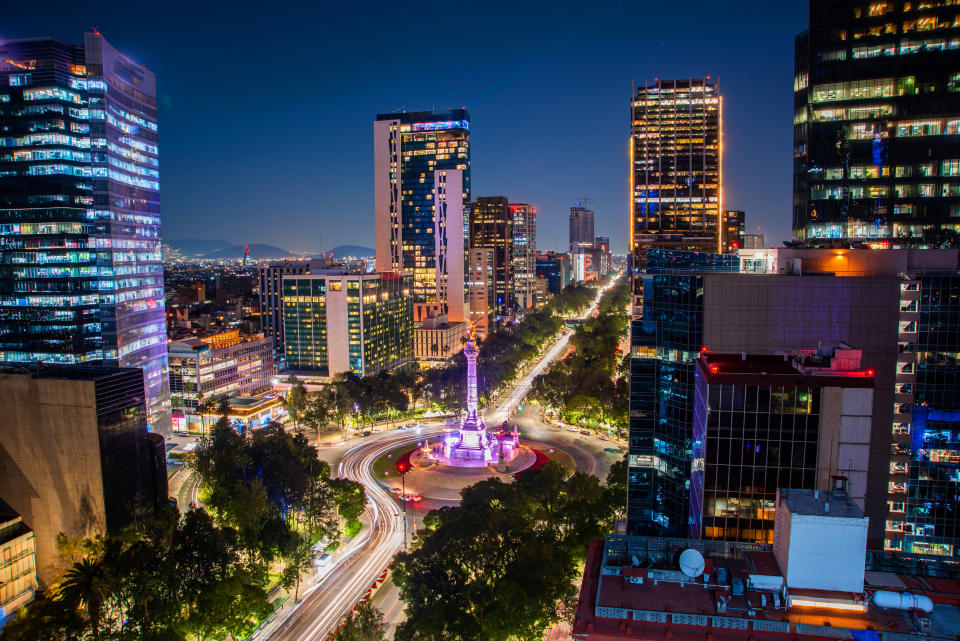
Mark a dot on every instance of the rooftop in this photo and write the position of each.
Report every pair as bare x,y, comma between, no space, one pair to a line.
821,503
633,588
92,371
794,369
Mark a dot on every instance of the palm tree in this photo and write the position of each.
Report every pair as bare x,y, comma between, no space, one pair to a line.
206,406
86,585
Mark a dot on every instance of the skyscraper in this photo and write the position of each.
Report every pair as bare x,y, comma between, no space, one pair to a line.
898,306
734,225
81,274
491,225
524,253
877,124
581,229
422,196
676,149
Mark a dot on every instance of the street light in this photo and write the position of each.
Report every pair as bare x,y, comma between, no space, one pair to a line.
403,467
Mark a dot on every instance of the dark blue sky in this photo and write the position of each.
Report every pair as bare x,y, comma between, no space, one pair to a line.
266,108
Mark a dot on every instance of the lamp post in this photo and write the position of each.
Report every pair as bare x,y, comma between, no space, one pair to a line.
403,468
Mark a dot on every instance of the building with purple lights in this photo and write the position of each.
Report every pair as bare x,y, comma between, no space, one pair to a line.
81,275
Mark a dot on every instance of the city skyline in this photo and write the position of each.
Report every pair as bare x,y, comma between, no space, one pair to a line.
324,163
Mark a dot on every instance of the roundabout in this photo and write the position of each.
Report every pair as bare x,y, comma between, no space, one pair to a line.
464,453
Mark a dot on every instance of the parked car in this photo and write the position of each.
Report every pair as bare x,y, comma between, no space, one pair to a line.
377,431
571,429
367,433
603,437
585,432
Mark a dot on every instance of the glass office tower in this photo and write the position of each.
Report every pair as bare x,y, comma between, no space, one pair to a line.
81,277
924,487
491,226
877,124
666,336
422,218
524,254
675,166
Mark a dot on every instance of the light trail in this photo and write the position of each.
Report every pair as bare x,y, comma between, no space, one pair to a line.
325,604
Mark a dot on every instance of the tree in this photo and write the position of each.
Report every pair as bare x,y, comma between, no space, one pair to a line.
501,564
296,399
87,585
317,413
366,624
299,561
350,498
179,575
205,407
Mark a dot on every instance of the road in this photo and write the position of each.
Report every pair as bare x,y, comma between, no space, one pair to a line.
364,560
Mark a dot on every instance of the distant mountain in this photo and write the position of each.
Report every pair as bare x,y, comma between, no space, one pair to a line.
353,250
198,246
208,248
257,250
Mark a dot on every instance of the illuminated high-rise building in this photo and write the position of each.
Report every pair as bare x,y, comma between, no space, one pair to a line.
344,322
422,196
81,274
491,225
524,253
731,235
581,229
676,166
876,154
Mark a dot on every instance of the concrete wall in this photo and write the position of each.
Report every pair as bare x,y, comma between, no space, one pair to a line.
845,420
820,552
338,340
770,313
50,471
386,256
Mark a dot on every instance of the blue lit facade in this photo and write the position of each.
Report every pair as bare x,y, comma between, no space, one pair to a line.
412,148
924,491
81,277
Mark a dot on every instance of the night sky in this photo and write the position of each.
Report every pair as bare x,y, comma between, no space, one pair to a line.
266,109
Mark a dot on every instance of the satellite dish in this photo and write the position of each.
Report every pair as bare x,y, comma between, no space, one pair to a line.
691,563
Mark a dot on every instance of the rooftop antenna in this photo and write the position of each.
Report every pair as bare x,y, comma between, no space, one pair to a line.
582,201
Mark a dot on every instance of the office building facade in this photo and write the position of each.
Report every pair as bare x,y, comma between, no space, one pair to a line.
211,367
81,461
765,422
18,562
556,269
581,229
524,254
676,160
877,125
481,291
780,301
344,322
421,203
491,226
81,277
734,226
271,293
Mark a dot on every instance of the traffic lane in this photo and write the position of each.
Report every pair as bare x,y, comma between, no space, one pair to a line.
591,454
387,600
